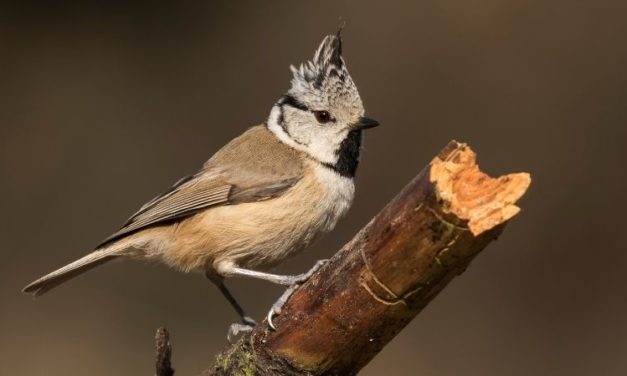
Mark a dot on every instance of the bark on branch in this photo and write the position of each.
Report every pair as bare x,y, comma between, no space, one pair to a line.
377,283
163,366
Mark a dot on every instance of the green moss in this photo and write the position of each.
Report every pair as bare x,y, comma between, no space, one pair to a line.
222,361
238,360
246,364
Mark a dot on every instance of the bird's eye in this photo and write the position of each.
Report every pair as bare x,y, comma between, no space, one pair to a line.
322,116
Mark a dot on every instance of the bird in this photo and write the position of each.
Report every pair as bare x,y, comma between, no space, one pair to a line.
263,197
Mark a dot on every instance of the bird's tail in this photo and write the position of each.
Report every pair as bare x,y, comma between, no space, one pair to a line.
78,267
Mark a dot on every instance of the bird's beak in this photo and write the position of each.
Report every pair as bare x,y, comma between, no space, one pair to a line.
365,123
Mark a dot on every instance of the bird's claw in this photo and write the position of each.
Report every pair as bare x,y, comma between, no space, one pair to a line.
278,305
296,282
246,326
273,311
247,320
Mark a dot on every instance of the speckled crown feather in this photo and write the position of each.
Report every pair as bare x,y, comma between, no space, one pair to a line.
325,73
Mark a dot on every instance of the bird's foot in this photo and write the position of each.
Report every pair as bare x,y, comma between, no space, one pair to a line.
278,305
295,282
246,326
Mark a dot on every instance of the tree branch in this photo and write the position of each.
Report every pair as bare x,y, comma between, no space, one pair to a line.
377,283
163,349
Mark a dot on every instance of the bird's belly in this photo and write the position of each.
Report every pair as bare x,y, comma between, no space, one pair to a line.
260,235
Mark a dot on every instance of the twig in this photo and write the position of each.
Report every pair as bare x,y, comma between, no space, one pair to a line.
164,353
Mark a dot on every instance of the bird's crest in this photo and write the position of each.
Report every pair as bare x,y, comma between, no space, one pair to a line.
326,72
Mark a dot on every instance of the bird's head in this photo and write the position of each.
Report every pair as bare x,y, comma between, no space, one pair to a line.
322,111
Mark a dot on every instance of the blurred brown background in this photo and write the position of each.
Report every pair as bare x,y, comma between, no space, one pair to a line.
104,106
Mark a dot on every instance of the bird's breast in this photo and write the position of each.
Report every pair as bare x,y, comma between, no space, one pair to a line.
336,194
261,234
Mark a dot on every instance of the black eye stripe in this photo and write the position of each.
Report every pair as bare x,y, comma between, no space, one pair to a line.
288,100
293,102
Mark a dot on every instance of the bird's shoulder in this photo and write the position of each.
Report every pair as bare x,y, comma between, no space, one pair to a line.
258,150
257,165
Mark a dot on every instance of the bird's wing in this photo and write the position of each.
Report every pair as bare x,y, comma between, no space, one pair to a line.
196,194
230,179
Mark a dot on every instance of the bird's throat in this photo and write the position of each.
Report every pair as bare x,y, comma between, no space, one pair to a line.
348,154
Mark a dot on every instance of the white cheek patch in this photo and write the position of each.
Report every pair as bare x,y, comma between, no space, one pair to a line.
320,144
275,127
324,149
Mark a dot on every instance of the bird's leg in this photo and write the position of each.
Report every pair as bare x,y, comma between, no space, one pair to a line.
247,323
285,280
292,281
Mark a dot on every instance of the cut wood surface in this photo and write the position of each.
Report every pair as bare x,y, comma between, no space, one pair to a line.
338,320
